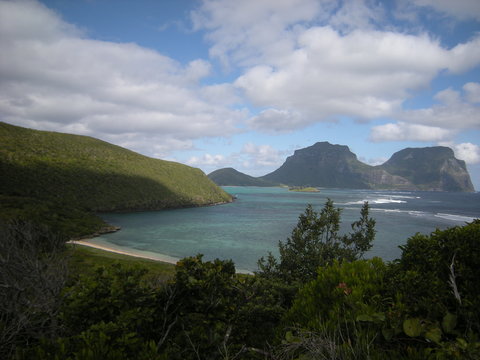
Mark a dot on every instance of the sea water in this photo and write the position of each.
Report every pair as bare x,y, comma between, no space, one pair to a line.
259,218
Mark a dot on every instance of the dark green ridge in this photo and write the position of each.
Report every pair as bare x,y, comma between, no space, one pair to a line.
50,170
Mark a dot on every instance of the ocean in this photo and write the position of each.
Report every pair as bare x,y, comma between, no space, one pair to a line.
259,218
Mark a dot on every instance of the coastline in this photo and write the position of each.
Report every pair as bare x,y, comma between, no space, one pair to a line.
100,244
103,245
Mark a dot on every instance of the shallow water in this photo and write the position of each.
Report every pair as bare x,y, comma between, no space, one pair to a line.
251,226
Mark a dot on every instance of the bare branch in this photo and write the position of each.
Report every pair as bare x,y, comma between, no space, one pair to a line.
452,280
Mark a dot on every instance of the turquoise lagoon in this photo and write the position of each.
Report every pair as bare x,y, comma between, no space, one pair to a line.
259,218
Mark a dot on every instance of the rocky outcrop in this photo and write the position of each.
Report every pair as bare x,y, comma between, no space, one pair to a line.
335,166
327,165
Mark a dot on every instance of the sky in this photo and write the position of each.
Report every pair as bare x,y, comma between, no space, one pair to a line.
243,84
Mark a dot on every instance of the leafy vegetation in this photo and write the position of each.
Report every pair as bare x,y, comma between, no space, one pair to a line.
316,241
85,259
421,306
303,189
61,179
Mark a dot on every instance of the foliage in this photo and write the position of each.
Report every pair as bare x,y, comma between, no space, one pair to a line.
66,220
113,294
43,171
338,314
423,306
220,314
316,241
303,189
84,260
435,282
440,274
105,314
32,276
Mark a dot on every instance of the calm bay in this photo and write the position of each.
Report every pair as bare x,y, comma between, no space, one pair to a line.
253,224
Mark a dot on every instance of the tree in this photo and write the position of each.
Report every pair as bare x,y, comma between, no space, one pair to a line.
32,275
316,241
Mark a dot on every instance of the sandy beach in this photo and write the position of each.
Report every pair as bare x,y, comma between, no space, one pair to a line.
102,245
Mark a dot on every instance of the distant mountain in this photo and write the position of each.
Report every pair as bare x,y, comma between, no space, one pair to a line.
45,172
431,168
322,164
327,165
232,177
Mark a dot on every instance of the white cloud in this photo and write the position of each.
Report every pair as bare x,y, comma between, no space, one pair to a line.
208,160
263,155
322,60
357,14
462,9
276,121
407,132
472,92
364,74
374,161
242,30
252,159
454,111
53,78
468,152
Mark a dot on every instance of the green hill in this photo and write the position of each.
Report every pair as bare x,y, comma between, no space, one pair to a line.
230,176
83,173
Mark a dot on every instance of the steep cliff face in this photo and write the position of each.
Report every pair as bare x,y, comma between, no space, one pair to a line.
327,165
378,178
322,164
431,168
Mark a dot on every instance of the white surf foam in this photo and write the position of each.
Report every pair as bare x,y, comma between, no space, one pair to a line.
453,217
377,201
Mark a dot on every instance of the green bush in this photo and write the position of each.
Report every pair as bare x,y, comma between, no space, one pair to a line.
316,241
436,284
339,314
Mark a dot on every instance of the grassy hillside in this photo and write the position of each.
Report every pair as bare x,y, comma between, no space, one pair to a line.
88,174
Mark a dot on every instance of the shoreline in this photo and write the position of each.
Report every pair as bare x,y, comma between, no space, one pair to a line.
106,246
96,244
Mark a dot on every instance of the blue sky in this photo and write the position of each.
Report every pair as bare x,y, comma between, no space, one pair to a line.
228,83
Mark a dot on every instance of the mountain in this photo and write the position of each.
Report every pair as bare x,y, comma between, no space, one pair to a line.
327,165
87,174
230,176
431,168
322,164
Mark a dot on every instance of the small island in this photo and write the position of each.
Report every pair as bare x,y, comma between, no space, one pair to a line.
303,189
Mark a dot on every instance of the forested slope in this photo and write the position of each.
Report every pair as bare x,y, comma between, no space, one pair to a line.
89,174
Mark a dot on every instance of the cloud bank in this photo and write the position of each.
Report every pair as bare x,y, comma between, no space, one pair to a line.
53,78
289,64
315,61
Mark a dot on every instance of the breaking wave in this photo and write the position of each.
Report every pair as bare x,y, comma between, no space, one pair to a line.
453,217
377,201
